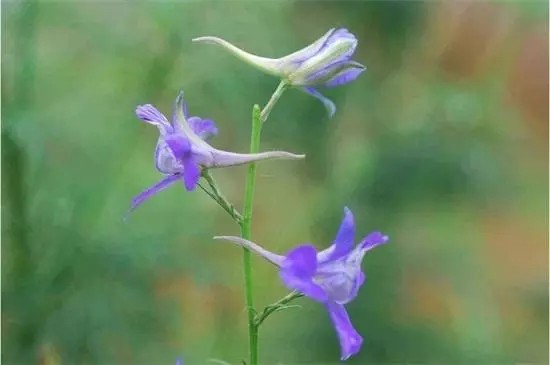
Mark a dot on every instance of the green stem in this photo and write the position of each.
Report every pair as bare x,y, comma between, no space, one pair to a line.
274,98
258,117
246,224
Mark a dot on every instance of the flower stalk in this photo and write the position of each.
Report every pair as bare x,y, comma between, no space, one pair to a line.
258,118
246,226
331,277
219,198
277,306
274,98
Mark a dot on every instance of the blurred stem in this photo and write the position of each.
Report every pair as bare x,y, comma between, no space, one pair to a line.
219,198
18,275
13,153
274,98
278,305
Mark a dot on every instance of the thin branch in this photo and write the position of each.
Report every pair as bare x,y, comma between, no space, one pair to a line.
219,198
278,305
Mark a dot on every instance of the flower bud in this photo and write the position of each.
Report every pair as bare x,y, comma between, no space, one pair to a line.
326,62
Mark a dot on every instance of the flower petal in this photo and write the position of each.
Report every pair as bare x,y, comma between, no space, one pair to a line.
350,339
372,240
346,75
275,259
301,261
298,269
341,34
181,148
151,115
329,105
152,190
165,161
304,286
204,128
308,51
331,59
179,145
359,281
191,173
344,241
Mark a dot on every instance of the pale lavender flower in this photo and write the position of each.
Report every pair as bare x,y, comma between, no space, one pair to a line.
326,62
182,151
332,277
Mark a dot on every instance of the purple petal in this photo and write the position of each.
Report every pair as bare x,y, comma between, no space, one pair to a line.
332,36
149,192
302,261
343,243
191,173
204,128
333,64
181,148
179,144
304,286
298,269
309,51
350,339
343,33
340,33
151,115
359,281
329,105
345,76
165,160
372,240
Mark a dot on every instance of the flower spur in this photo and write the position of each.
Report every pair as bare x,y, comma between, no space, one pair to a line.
326,62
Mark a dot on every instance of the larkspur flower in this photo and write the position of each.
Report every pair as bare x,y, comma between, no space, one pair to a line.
332,277
182,151
326,62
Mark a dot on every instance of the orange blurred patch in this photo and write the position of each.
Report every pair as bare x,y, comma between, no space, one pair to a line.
475,35
429,299
201,306
528,81
518,253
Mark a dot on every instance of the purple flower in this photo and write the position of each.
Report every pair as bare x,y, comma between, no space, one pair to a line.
326,62
182,151
332,276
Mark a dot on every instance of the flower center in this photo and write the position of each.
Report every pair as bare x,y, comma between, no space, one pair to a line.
339,280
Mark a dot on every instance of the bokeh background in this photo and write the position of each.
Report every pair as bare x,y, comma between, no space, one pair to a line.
442,144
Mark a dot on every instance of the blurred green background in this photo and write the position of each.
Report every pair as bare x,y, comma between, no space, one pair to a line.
442,144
